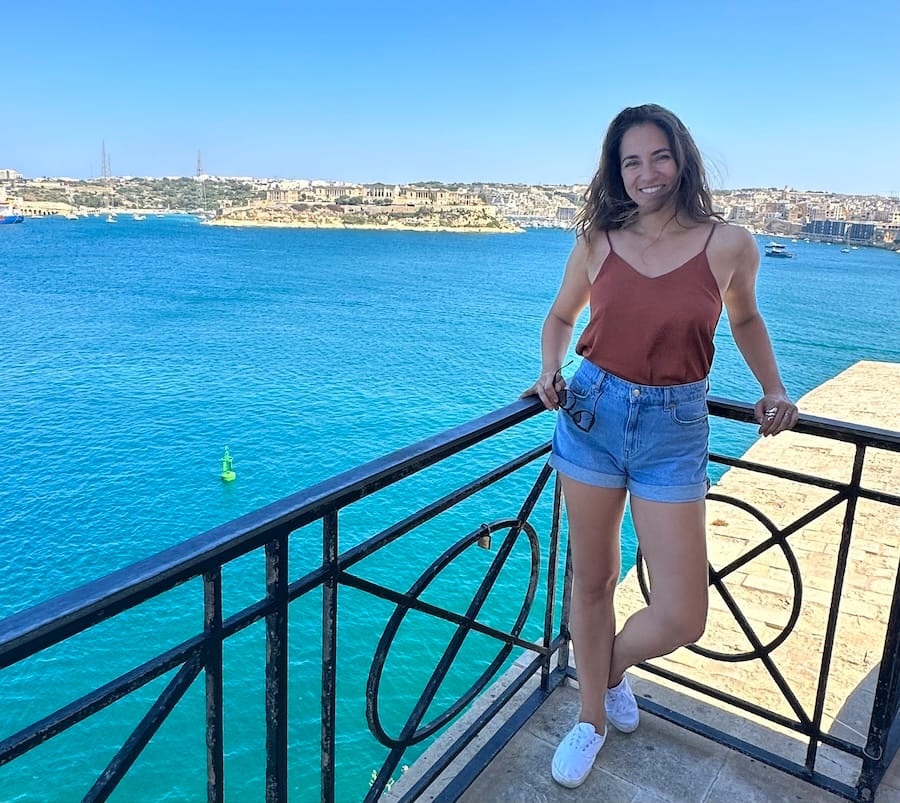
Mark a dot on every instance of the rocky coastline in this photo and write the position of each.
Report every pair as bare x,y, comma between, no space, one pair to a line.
474,219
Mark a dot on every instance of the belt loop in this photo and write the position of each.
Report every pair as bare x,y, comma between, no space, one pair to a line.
667,398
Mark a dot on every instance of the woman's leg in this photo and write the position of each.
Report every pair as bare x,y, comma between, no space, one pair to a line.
672,537
595,517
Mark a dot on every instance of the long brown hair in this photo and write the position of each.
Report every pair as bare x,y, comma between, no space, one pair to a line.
606,203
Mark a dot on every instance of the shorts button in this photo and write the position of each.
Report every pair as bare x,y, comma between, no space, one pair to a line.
635,392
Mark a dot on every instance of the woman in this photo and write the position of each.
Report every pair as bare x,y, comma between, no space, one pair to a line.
655,264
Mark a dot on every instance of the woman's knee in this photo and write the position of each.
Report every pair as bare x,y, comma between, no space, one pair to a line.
685,625
694,628
596,586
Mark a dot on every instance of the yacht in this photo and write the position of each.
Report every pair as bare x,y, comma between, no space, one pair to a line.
8,214
778,250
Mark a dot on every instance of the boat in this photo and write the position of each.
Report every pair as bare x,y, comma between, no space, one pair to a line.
138,216
778,250
10,215
845,250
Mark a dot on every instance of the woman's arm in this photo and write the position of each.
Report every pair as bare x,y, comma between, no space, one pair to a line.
752,337
556,334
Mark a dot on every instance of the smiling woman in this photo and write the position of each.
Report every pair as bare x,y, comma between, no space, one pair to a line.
609,204
655,263
649,171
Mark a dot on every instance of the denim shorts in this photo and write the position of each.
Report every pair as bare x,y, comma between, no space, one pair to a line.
652,440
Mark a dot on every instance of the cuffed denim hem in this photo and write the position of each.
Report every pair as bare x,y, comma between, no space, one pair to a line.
669,493
585,475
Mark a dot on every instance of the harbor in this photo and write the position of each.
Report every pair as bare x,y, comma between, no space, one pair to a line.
134,365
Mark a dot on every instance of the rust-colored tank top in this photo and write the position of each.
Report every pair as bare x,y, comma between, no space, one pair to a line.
653,331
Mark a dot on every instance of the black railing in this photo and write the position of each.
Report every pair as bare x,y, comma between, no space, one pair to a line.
272,528
883,729
51,623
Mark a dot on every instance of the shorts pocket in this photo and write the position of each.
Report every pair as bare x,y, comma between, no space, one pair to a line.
577,387
689,412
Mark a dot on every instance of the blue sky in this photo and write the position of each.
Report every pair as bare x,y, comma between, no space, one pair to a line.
790,93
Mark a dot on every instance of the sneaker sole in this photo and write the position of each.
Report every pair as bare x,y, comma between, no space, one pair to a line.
621,728
566,782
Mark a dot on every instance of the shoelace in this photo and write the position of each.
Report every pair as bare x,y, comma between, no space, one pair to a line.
583,738
618,699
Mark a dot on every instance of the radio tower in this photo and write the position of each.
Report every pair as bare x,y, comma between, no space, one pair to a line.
104,161
105,172
200,178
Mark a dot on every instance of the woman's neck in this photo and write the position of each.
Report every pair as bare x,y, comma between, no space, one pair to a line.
653,225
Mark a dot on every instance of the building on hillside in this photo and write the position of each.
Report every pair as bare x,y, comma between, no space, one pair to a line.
566,214
382,192
852,231
826,228
861,232
292,192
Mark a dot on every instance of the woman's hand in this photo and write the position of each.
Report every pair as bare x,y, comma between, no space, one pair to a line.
547,388
775,413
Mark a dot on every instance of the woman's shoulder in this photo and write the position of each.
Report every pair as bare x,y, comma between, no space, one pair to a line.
732,241
592,246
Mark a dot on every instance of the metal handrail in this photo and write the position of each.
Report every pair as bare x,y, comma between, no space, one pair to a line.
33,630
56,619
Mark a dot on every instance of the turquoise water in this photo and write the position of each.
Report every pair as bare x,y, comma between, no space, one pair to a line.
133,353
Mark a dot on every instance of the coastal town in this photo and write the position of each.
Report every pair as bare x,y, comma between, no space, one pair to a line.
861,220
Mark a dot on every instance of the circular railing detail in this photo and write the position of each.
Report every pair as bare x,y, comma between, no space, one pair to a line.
420,732
777,540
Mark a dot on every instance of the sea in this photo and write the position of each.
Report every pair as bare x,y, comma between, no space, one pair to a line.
134,353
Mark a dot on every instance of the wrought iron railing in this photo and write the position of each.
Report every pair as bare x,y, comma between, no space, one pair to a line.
271,528
32,632
882,736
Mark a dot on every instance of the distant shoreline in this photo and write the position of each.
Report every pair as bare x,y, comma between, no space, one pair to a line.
262,224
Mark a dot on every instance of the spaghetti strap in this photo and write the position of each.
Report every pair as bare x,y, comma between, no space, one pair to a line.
611,249
711,232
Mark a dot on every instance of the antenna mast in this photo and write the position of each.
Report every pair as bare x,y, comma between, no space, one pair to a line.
105,172
200,178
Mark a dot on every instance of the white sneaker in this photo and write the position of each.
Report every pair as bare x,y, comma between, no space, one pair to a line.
574,758
621,707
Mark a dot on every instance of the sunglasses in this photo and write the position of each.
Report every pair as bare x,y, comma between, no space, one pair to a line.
583,419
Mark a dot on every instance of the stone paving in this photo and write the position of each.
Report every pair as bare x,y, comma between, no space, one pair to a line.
662,762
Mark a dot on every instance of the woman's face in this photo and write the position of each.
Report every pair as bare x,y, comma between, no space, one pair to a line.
649,171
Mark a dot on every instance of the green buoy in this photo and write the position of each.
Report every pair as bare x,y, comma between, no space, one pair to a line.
227,469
